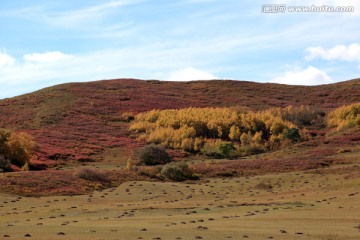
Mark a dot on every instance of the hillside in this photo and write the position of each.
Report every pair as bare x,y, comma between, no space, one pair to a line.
84,121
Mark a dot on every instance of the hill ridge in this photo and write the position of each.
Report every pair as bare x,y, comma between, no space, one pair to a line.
78,121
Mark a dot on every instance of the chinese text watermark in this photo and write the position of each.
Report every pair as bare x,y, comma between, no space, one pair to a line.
282,8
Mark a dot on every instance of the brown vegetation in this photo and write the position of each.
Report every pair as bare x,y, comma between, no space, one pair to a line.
178,171
92,175
152,155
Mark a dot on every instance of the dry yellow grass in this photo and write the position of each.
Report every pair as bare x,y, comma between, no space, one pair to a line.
301,205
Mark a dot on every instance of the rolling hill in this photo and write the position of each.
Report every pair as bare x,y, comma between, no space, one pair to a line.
84,121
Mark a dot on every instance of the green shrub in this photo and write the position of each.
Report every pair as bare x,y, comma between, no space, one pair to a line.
152,154
4,164
92,175
179,171
292,134
4,136
226,148
218,149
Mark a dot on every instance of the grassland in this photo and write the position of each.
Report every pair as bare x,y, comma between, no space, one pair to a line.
322,204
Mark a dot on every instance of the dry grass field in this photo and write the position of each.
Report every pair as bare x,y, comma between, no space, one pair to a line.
316,204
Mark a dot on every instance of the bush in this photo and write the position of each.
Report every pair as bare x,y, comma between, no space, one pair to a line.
16,148
218,149
4,164
92,175
20,147
4,136
152,154
292,134
151,172
179,171
344,117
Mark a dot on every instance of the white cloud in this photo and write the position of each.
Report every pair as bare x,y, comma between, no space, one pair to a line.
46,57
190,73
6,60
339,52
308,76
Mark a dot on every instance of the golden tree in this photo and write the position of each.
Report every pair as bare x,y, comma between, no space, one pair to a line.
20,147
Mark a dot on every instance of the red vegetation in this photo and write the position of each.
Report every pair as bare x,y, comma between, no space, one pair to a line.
51,182
77,121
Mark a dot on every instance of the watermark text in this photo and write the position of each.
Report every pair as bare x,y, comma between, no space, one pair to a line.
283,8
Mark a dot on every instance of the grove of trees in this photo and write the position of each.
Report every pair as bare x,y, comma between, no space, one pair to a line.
222,132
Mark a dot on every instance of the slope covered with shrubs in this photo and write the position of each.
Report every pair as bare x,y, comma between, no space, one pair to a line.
81,121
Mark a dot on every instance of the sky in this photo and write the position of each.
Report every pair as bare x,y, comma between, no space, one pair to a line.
44,43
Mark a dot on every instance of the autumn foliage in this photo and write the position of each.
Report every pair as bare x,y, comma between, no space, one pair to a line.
345,116
217,132
17,148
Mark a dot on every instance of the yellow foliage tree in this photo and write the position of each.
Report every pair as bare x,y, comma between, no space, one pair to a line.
257,138
20,147
190,128
234,134
345,116
245,138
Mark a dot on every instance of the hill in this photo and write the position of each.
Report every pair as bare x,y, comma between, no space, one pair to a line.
87,121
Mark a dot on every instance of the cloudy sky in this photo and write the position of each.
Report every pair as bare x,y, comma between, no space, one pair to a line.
44,42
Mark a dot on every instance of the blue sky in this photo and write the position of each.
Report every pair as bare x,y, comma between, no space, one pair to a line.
44,43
